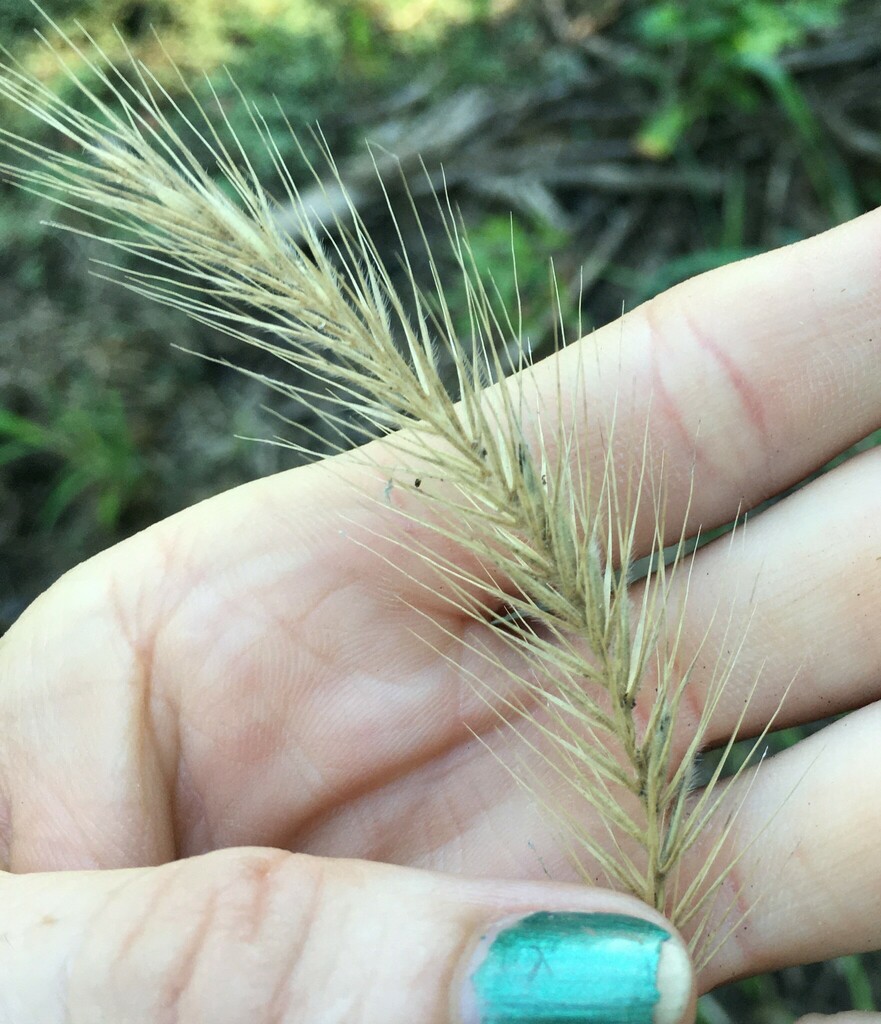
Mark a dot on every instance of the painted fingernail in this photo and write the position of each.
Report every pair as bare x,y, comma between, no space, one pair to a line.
563,968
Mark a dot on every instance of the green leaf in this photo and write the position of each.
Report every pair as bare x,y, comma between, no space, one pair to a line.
24,431
12,451
858,983
63,495
660,136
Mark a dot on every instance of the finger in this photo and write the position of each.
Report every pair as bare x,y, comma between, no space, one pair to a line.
730,372
259,935
797,593
806,854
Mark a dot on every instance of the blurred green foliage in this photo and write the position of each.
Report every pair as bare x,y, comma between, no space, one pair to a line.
17,17
737,30
715,54
91,453
336,62
333,62
726,239
513,256
859,984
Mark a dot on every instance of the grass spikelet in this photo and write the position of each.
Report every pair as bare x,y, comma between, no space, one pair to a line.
536,546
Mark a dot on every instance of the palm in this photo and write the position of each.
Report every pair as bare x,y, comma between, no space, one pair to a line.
283,691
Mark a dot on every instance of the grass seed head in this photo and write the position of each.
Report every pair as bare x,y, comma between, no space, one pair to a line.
540,548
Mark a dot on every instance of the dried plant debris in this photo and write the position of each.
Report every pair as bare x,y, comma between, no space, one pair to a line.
493,470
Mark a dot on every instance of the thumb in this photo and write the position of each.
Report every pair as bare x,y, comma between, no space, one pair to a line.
252,936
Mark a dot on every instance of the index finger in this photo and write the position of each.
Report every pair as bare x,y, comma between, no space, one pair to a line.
746,378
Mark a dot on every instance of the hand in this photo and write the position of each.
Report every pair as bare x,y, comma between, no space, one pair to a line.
244,679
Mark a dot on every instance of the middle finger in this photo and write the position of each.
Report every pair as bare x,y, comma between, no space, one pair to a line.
796,594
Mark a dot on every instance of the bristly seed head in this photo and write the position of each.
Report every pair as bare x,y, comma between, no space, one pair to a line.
534,531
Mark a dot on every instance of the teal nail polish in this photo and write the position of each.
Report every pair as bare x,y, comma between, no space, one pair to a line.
566,968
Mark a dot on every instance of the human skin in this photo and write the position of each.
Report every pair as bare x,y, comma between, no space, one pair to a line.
239,778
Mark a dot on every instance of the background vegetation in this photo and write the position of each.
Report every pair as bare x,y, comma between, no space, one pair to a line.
635,143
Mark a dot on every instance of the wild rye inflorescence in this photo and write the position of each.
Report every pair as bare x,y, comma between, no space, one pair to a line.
537,546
